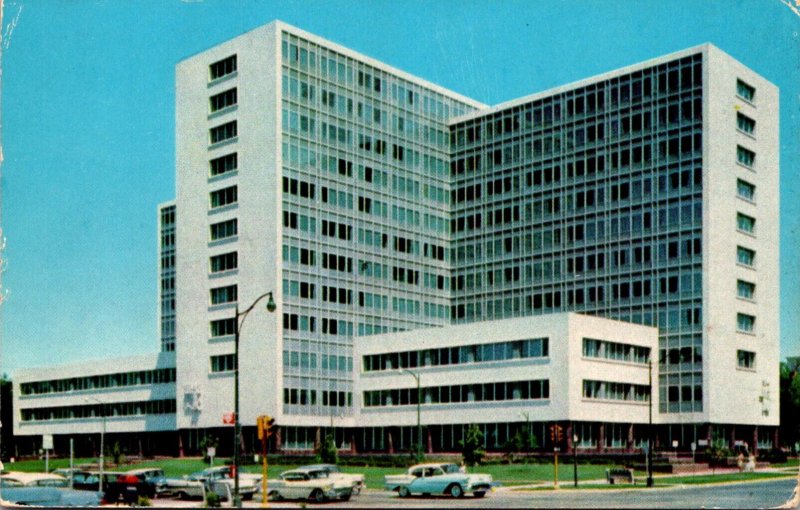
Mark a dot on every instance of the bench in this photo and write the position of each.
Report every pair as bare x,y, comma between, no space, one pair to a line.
620,474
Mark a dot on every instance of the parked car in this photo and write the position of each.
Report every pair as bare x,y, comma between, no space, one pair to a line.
438,479
333,471
20,479
35,496
154,479
312,484
217,479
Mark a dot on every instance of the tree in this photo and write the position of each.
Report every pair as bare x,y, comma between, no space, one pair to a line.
328,453
472,445
790,400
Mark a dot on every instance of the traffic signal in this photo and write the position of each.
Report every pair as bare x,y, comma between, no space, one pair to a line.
556,434
266,426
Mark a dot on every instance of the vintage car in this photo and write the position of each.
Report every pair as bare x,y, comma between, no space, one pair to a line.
334,472
438,479
154,479
21,479
217,479
43,489
312,484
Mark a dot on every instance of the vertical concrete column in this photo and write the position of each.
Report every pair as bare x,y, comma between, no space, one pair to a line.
390,441
570,446
732,438
429,440
601,437
754,449
278,440
629,446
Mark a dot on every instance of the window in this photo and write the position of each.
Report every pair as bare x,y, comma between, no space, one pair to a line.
745,123
745,289
745,256
223,327
223,132
223,363
745,190
224,164
222,100
224,229
223,197
222,295
745,223
745,323
222,67
745,91
746,359
224,262
745,157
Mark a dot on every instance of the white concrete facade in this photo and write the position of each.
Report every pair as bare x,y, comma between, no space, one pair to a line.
117,389
565,367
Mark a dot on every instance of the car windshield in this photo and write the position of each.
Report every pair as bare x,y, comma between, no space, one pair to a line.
451,468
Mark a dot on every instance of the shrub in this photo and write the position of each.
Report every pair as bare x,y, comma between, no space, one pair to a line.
143,501
472,446
327,452
213,500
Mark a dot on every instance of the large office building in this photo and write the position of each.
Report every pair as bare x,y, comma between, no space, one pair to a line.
580,233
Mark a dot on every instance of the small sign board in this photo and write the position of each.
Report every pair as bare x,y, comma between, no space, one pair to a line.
211,452
694,446
47,442
556,449
702,442
674,443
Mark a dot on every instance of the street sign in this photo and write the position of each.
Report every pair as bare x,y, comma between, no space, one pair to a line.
47,442
702,442
694,446
229,419
674,443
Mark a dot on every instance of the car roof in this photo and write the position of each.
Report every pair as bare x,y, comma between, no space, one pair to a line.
26,477
143,470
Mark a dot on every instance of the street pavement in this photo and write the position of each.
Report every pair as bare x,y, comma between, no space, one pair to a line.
734,495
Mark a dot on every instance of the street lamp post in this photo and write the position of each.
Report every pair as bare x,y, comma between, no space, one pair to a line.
237,426
575,458
419,402
650,426
102,440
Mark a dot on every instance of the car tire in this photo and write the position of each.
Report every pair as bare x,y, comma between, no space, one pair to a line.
456,491
274,496
317,496
479,494
182,495
404,492
346,497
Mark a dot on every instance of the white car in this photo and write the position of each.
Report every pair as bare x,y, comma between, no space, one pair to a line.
21,479
311,484
217,479
438,479
333,471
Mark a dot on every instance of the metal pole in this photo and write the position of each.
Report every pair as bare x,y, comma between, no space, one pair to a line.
419,403
237,502
102,451
71,461
650,426
575,458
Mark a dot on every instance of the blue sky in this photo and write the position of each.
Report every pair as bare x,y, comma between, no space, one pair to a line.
88,125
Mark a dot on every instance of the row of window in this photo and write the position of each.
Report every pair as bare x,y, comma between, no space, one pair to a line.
479,392
308,360
94,382
474,353
616,351
606,390
143,408
305,397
